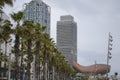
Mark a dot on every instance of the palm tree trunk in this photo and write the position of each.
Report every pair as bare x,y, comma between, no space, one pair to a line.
37,59
45,65
0,60
53,72
58,75
48,71
40,73
17,43
29,59
21,66
45,70
5,56
5,51
5,48
0,63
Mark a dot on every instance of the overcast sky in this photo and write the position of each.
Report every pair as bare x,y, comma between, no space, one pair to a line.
95,19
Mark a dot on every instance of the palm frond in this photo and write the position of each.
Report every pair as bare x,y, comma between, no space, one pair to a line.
8,2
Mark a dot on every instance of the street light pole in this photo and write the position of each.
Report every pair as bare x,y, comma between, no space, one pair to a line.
110,39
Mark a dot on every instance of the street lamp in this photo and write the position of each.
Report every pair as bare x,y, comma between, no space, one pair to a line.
109,56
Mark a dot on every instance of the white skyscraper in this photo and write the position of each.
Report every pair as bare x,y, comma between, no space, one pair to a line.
67,37
38,11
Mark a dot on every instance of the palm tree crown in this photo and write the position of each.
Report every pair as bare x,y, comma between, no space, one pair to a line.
3,2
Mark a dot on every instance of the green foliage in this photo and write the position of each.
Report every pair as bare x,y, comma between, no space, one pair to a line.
5,30
17,17
3,2
84,77
3,57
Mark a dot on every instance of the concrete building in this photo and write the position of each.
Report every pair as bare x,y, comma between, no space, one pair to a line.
67,37
38,11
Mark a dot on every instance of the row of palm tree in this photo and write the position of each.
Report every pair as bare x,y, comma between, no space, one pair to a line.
33,46
32,42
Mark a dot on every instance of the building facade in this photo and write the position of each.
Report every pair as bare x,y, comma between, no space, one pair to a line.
39,12
67,37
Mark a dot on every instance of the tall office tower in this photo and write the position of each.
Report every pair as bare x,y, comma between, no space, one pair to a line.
38,11
67,37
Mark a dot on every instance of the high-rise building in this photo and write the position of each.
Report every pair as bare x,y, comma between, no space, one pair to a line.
67,37
38,11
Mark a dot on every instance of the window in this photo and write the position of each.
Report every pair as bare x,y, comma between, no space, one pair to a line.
37,4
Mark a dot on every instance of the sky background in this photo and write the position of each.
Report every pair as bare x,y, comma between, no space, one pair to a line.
95,19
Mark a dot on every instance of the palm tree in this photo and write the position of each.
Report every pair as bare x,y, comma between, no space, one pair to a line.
17,17
33,34
63,70
38,37
5,33
58,64
3,2
0,58
54,62
3,58
50,55
51,59
23,52
5,37
47,51
28,32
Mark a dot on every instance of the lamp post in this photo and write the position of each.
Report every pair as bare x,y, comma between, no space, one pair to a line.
110,39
